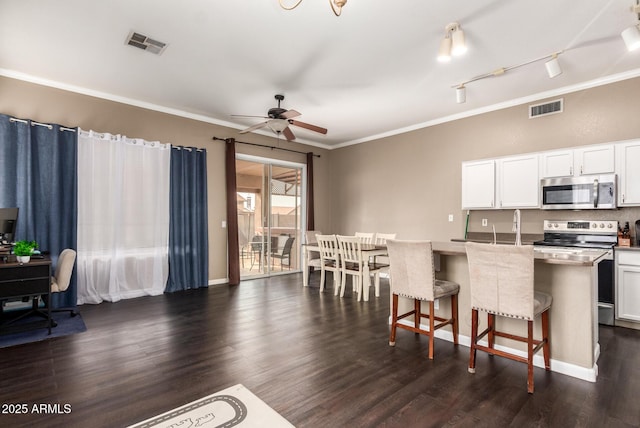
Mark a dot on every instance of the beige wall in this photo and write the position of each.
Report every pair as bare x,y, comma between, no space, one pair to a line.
406,184
44,104
410,183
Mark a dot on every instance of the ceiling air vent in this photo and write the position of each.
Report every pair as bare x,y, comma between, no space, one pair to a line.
145,43
546,109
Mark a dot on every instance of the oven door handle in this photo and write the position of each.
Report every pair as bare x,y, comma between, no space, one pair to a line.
595,193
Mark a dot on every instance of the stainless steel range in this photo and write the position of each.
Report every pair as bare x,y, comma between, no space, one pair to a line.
587,235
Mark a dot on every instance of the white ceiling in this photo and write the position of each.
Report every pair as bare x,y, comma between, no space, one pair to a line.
368,73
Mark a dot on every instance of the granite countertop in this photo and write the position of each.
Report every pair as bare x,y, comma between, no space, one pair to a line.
552,255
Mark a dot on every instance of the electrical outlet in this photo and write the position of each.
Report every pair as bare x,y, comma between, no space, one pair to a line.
485,222
224,224
436,304
450,217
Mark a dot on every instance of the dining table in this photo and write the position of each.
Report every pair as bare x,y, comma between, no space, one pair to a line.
368,251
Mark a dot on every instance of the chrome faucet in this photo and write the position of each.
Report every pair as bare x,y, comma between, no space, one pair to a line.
516,227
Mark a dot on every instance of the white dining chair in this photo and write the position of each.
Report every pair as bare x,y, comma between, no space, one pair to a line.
381,239
311,258
352,263
329,260
366,237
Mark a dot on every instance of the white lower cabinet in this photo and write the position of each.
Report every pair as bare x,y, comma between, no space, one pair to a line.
628,285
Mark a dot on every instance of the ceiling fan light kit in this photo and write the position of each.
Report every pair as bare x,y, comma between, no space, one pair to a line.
336,5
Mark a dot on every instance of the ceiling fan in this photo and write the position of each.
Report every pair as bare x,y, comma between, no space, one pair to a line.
279,119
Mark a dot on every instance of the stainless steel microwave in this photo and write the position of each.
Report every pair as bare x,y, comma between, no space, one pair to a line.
579,193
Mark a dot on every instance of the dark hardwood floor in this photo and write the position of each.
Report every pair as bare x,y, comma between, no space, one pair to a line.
318,360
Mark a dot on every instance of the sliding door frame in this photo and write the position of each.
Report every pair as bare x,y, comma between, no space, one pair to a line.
303,204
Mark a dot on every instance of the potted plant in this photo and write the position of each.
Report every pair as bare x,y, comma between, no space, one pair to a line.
23,250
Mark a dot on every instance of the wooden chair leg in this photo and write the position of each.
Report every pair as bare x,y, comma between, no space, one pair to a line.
546,350
491,322
431,328
322,279
394,321
530,346
454,316
474,338
416,316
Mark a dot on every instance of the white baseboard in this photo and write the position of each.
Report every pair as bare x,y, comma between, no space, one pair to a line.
584,373
218,281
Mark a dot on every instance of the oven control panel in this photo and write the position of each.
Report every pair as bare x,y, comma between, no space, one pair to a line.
582,226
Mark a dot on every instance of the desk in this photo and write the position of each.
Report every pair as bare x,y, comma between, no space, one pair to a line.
18,280
368,250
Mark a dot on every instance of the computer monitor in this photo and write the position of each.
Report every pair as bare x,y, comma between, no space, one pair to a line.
8,222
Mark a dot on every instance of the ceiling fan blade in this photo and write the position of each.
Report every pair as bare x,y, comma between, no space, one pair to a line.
244,115
288,134
290,114
254,127
308,126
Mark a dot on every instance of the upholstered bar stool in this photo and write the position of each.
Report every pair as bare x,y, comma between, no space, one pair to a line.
412,275
501,283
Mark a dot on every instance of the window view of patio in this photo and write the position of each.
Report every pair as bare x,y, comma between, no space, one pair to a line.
269,218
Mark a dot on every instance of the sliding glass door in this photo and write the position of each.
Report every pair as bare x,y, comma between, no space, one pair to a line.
270,215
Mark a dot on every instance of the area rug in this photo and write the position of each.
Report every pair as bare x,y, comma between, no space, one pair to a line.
66,325
234,406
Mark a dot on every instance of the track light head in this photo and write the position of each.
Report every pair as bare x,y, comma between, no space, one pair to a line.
631,37
553,66
459,45
461,94
453,43
444,53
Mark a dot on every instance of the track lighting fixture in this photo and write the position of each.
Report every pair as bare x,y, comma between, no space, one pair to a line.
336,5
453,43
631,35
552,66
461,94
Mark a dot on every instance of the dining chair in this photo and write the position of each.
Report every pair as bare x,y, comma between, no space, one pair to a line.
285,254
366,237
501,282
381,239
329,260
412,275
311,258
352,263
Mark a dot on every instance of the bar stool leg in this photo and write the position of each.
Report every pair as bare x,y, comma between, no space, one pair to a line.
491,320
530,346
431,328
394,321
474,338
545,336
454,317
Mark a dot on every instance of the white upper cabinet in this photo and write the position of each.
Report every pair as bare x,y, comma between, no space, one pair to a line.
518,182
599,159
594,160
628,169
478,184
557,163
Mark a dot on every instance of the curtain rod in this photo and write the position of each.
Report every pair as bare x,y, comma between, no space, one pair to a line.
46,125
226,140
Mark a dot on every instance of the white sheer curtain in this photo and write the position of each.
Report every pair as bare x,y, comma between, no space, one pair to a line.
123,217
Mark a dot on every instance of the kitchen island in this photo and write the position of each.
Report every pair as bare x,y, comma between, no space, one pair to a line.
569,278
